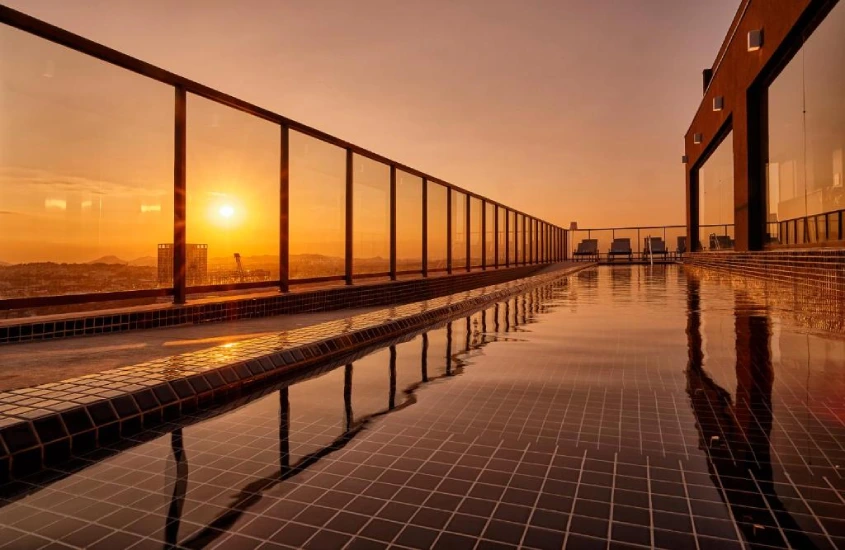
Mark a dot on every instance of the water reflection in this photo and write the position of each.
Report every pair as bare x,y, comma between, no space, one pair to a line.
736,434
526,307
178,473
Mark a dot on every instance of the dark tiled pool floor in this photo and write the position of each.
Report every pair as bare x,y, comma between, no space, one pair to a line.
619,408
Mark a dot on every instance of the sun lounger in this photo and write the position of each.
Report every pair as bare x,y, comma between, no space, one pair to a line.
588,249
620,247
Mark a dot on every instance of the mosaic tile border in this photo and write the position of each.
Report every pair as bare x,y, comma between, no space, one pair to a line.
46,424
251,307
807,284
820,269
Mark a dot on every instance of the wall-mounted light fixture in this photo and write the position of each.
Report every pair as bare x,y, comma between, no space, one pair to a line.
697,138
718,103
685,159
755,40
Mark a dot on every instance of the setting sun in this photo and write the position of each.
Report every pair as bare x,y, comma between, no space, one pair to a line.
226,211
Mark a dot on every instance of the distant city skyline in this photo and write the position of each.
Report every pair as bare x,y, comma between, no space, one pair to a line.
570,111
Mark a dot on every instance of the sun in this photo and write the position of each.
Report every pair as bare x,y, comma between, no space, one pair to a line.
226,211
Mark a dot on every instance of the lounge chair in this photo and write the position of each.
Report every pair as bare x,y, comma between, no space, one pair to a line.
588,248
721,242
620,247
658,247
682,245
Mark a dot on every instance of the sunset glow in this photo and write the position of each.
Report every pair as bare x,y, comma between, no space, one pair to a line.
226,211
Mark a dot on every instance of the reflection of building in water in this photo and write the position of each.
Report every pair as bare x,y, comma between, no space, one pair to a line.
196,272
736,433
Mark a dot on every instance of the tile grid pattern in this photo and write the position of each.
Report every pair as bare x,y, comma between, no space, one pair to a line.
50,422
568,452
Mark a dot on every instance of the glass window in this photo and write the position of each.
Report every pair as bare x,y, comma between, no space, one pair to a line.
807,137
232,195
317,208
459,230
408,222
86,172
475,213
437,241
370,216
716,197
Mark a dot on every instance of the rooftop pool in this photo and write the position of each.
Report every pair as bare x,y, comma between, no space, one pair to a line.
618,407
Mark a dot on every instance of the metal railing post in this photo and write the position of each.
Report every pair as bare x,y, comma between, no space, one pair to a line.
449,230
392,222
483,234
467,233
496,236
349,252
180,247
425,227
284,212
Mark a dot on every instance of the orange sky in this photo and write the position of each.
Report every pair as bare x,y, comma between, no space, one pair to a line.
568,110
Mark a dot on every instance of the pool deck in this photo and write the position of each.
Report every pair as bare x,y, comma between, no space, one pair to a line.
49,422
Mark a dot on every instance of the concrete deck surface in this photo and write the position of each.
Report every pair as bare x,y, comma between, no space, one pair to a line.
33,363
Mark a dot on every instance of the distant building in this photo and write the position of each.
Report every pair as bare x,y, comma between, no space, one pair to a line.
196,272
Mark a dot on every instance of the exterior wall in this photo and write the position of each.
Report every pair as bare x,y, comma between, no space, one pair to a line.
735,75
808,284
819,269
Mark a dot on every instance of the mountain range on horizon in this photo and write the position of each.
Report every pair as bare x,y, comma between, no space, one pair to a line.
152,261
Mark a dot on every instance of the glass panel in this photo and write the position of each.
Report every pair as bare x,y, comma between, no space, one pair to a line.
785,172
716,197
317,208
833,226
408,222
232,195
490,234
86,172
436,226
807,132
502,236
531,234
370,216
824,123
521,240
459,230
511,237
475,214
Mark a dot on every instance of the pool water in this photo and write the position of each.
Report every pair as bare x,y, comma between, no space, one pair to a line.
621,407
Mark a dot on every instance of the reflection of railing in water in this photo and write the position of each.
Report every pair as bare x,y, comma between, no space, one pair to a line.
737,436
510,315
251,494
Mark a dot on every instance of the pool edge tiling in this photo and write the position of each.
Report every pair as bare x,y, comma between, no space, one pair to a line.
48,423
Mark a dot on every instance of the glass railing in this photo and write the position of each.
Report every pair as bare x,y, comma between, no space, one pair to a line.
667,242
807,230
120,180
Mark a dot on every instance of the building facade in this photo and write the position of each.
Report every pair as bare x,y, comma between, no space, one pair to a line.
764,152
